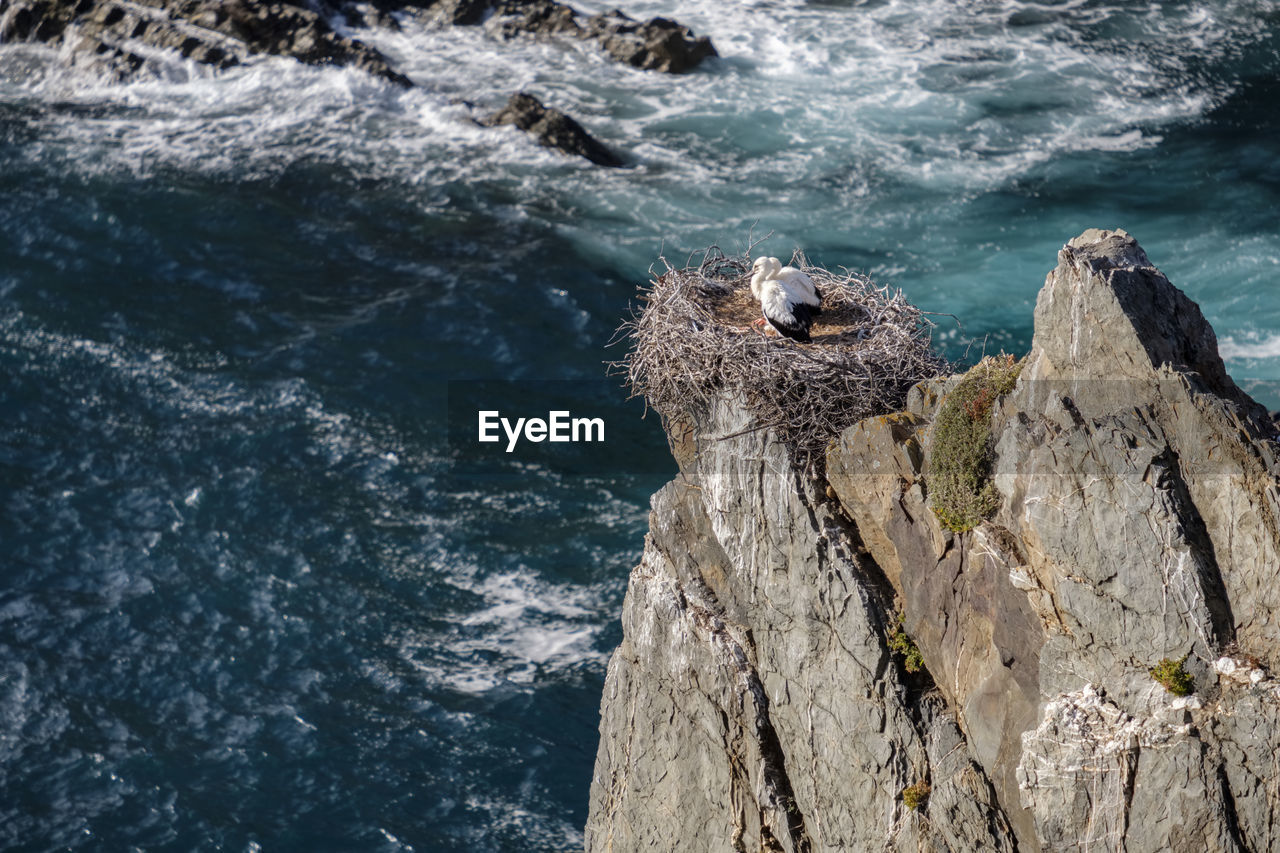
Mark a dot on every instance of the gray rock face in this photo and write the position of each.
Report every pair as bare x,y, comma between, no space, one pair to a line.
979,635
1089,770
1140,520
552,129
753,703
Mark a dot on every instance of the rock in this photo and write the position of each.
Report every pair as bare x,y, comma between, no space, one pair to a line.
1142,374
222,33
38,20
691,736
753,703
533,17
287,30
1089,771
112,32
552,128
1139,520
978,632
1138,523
659,44
462,13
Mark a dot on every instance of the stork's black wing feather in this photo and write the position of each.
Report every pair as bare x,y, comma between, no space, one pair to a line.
798,331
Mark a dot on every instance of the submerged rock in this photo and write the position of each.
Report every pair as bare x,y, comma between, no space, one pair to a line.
1138,521
552,128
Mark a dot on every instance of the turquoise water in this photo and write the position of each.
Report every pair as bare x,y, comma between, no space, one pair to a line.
252,600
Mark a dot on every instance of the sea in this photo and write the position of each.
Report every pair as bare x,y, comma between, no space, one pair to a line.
258,589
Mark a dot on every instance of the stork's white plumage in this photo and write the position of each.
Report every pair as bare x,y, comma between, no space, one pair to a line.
787,297
800,282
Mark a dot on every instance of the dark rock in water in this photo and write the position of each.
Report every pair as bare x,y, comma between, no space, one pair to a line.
552,128
462,13
287,30
1033,18
656,45
115,34
536,17
368,15
659,44
219,34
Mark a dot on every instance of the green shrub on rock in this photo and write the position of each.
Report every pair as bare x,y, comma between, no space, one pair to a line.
1174,676
901,643
960,489
914,796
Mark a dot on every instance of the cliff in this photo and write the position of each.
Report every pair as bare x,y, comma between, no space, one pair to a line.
755,702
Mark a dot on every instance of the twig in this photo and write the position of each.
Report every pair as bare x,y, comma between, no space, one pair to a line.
870,347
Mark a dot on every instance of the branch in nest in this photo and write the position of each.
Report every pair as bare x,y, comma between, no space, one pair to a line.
870,346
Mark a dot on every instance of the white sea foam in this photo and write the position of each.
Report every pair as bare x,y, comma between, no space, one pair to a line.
526,627
817,121
819,81
539,831
1250,346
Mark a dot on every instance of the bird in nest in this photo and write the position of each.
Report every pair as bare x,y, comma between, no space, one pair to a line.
788,298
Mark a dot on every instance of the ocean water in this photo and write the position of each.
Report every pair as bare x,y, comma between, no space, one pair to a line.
252,597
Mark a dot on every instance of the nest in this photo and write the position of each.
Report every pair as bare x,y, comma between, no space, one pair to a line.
693,341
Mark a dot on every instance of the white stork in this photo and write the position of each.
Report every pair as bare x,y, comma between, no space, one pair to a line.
788,298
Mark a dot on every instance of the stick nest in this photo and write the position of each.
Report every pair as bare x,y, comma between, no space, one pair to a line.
692,341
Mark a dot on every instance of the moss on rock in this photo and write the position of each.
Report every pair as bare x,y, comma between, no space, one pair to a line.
915,796
1172,674
960,489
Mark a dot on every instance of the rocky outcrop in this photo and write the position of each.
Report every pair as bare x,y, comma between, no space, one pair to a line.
659,44
121,37
118,33
1139,521
552,129
753,704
